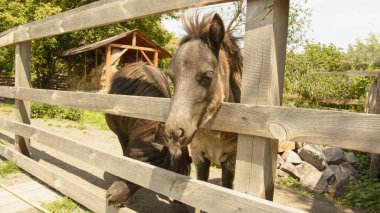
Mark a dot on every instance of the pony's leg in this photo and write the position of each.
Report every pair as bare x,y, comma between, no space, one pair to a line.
228,172
202,166
120,190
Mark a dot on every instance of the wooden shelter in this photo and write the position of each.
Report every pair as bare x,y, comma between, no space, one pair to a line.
106,54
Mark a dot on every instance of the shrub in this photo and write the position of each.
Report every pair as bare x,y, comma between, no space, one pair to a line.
40,110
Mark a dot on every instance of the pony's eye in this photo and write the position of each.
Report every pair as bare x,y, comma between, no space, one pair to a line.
205,78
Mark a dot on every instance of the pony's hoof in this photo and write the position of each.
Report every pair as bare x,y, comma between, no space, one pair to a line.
117,194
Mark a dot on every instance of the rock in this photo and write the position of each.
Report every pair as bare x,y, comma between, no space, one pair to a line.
338,187
349,169
290,169
328,175
313,154
286,145
299,145
281,173
279,161
312,178
333,155
291,157
350,157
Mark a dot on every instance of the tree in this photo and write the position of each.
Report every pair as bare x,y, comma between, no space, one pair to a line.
45,60
364,55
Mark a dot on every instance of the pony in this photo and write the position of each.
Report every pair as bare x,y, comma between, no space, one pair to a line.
138,137
206,71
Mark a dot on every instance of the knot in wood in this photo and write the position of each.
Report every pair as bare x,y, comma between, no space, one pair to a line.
278,131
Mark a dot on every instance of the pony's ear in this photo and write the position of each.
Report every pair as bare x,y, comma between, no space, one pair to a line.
216,34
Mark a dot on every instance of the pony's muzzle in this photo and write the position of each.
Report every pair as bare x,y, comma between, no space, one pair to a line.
174,136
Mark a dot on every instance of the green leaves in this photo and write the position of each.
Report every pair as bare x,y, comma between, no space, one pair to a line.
304,73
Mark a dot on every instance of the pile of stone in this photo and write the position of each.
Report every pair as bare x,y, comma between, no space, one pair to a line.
318,168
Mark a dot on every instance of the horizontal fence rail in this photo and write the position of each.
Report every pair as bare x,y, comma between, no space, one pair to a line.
190,191
357,131
96,14
82,194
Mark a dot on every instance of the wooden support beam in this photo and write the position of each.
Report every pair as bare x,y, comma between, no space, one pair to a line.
96,57
85,64
190,191
375,158
357,131
146,57
156,58
69,68
124,46
22,79
116,54
263,71
134,39
108,67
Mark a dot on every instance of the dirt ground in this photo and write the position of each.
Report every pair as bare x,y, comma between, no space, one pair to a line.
145,200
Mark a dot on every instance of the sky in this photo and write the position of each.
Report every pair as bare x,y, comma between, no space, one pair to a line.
339,22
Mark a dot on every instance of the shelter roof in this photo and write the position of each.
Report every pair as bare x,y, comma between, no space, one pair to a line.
123,38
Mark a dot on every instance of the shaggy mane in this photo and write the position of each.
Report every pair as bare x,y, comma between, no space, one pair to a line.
197,27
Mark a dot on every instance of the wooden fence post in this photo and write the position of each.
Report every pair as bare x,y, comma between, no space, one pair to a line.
108,67
22,79
263,73
374,168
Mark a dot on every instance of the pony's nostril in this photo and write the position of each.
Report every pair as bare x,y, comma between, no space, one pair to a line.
180,133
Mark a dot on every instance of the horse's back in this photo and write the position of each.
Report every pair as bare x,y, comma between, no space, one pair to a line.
136,79
140,80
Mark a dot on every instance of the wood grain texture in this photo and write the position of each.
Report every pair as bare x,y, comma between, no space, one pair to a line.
190,191
263,73
108,67
351,73
375,158
96,14
22,79
124,46
67,186
357,131
146,57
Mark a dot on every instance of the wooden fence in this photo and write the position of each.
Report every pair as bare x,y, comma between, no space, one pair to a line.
7,81
259,120
59,82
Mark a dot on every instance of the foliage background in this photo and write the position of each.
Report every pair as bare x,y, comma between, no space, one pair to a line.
45,60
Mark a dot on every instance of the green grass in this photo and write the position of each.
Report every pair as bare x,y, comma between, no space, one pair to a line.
94,118
8,167
47,112
7,108
64,205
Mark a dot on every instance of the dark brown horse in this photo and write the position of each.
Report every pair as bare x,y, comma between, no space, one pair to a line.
206,71
138,137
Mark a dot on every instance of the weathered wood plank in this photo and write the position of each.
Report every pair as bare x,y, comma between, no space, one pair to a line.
82,194
357,131
375,158
124,46
351,73
263,73
22,79
193,192
146,57
96,14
